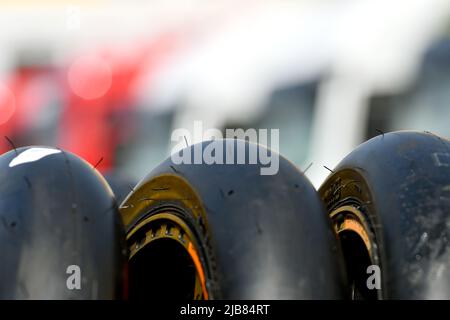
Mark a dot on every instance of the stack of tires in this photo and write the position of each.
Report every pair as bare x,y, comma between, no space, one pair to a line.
378,228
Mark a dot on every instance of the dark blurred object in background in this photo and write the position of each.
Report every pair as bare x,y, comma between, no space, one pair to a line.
424,106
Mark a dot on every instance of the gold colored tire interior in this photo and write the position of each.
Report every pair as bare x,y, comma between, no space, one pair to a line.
359,249
164,249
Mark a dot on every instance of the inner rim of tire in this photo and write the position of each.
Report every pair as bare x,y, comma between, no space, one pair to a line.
358,249
164,260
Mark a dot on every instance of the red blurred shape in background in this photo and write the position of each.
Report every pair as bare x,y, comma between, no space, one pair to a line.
96,118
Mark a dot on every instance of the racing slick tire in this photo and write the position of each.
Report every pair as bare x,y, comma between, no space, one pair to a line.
389,202
61,235
223,230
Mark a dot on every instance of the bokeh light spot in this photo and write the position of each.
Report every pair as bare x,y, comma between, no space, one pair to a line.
7,104
90,77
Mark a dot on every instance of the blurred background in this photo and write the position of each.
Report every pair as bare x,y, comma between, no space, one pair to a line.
110,80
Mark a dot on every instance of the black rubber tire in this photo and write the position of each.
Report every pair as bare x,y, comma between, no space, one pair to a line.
260,236
400,182
55,212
